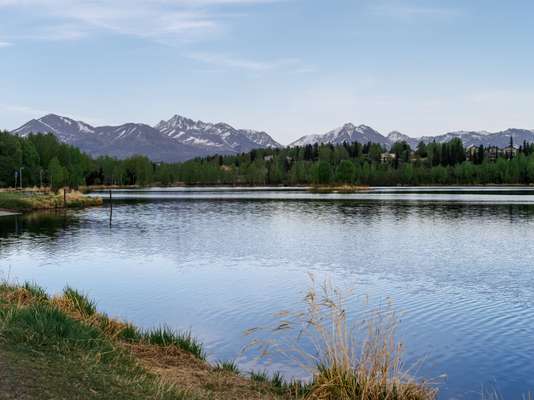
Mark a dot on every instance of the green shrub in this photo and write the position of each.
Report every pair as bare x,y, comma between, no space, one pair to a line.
36,291
227,366
42,324
164,336
80,302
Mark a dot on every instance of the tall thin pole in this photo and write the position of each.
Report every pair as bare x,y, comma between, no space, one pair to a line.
20,177
110,207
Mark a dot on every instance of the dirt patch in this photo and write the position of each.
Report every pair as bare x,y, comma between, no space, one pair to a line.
195,376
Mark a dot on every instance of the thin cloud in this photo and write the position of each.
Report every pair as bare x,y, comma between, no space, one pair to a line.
59,32
160,19
5,44
229,61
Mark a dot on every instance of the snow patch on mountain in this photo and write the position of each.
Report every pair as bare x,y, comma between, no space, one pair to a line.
364,134
347,133
220,136
177,139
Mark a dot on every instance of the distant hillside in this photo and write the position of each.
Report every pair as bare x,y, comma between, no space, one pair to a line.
180,138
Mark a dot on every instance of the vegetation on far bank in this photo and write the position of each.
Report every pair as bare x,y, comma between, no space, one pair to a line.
61,347
45,200
43,161
369,164
345,188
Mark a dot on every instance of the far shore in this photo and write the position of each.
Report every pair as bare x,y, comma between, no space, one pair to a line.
354,187
16,201
13,202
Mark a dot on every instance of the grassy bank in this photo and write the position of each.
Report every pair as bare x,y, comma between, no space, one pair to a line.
42,200
62,348
338,188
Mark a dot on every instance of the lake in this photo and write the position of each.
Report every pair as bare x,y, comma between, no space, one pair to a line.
457,263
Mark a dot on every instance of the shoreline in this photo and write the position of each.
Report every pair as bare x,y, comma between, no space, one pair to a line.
86,189
64,346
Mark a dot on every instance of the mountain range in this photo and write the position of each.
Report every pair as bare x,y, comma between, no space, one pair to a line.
364,134
180,138
177,139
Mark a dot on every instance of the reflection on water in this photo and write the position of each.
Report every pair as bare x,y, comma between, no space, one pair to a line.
460,269
47,225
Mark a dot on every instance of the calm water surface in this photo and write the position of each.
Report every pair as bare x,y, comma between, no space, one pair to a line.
457,263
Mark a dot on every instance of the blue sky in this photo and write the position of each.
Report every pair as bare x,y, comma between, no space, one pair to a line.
289,67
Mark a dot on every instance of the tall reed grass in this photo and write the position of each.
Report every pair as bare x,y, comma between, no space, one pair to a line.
345,360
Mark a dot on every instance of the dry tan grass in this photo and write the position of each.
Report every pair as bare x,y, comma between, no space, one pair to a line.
19,297
33,189
348,360
197,377
45,200
346,188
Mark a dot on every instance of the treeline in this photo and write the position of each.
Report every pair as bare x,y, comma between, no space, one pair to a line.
367,164
43,160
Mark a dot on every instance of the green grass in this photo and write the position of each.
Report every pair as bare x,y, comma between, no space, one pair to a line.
276,379
61,348
14,201
130,333
80,302
36,291
259,376
227,366
43,325
164,336
49,355
294,389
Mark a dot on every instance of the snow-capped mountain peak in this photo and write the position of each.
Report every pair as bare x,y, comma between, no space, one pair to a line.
396,136
181,138
347,133
65,128
364,134
220,136
176,139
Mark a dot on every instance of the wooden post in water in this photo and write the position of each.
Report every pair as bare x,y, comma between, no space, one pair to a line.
110,207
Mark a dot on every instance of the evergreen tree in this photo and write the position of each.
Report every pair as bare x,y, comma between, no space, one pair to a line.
56,174
345,172
323,173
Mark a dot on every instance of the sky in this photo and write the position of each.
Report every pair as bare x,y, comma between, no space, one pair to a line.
288,67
